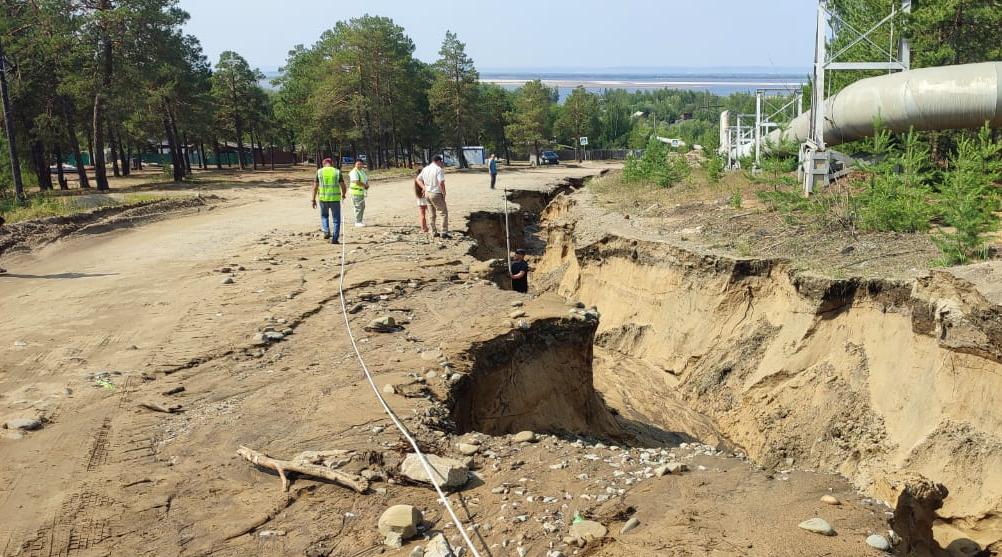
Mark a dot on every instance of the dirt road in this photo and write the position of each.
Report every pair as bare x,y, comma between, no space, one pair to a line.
95,326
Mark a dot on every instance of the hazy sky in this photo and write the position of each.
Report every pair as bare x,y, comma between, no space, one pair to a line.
532,33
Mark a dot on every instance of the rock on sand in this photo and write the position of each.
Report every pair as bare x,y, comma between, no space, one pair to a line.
451,473
399,523
818,526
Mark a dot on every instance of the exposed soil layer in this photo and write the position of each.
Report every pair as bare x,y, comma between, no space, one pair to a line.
878,380
489,229
37,233
536,379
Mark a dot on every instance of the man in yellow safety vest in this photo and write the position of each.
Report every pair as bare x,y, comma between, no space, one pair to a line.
330,187
359,180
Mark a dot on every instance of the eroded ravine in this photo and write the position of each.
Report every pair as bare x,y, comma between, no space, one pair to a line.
880,381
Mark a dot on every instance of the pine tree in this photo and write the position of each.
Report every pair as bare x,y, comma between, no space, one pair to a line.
532,119
233,87
453,95
578,117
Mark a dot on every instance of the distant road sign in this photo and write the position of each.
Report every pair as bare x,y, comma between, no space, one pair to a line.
583,141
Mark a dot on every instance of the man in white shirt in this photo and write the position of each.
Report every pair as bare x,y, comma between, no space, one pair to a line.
432,181
359,188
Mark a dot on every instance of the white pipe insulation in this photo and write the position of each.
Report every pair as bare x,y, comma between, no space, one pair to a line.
941,98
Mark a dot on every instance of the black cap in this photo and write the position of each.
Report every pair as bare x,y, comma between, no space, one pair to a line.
437,158
520,251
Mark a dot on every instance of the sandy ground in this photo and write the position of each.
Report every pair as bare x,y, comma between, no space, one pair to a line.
96,325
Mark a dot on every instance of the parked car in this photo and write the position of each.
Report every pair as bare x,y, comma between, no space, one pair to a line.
363,157
549,157
66,168
347,159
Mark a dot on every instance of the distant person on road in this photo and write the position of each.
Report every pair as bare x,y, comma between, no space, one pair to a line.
519,272
331,189
422,203
492,168
432,182
359,180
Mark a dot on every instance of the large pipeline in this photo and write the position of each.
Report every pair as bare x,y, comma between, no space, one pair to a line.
942,98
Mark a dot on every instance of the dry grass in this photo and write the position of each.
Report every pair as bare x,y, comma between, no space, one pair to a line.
707,215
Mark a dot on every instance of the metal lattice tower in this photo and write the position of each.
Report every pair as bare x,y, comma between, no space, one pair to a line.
814,156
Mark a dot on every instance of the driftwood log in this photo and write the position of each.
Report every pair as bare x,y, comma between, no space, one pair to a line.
343,479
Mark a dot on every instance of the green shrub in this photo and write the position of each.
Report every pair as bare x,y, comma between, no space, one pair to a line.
735,199
968,200
657,165
890,204
897,197
714,168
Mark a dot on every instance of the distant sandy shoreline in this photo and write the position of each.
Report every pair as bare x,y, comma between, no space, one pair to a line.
671,84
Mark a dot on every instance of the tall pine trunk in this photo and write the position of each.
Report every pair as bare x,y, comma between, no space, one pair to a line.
253,140
187,155
122,157
100,172
126,157
69,115
59,169
41,163
239,125
114,152
219,159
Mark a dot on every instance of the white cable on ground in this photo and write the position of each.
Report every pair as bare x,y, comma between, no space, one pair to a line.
389,411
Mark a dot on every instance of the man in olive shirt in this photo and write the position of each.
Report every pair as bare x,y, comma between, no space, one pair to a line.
359,187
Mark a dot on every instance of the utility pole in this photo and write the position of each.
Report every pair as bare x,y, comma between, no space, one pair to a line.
758,128
8,118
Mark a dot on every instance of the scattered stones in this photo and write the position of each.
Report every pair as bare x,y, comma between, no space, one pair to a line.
431,355
450,473
468,449
439,547
818,526
876,541
228,280
588,530
630,525
524,437
399,523
356,308
259,340
671,468
417,552
517,304
830,500
517,314
274,336
389,389
23,424
385,324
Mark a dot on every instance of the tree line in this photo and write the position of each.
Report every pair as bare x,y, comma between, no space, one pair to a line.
121,76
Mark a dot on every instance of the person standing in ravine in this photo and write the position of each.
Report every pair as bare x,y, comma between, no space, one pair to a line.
329,186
